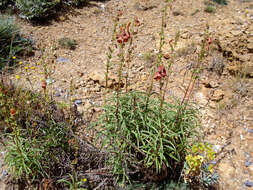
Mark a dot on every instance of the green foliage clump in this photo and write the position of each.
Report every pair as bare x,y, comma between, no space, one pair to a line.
30,9
222,2
145,139
35,9
36,136
67,43
209,9
74,2
11,42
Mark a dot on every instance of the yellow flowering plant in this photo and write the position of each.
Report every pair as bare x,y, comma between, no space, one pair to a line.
198,165
201,153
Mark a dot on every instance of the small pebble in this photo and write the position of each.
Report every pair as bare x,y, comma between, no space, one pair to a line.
78,102
57,94
62,60
248,163
248,183
250,131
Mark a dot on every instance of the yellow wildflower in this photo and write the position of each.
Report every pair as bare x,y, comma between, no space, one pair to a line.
13,57
201,147
195,149
210,156
201,158
26,68
20,63
210,168
84,180
32,67
17,77
38,63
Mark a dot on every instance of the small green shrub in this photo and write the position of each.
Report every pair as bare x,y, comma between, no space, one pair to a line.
35,9
144,139
74,2
67,43
209,9
195,12
12,43
30,9
222,2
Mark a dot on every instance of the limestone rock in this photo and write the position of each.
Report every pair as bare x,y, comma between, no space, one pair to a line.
211,84
217,95
97,77
250,47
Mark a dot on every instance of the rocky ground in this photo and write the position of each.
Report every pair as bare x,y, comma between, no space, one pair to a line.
224,92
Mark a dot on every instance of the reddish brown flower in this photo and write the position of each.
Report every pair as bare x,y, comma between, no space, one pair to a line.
124,34
119,38
157,76
161,69
12,111
44,84
161,73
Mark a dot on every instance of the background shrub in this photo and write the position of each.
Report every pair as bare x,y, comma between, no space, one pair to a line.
30,9
35,9
11,42
222,2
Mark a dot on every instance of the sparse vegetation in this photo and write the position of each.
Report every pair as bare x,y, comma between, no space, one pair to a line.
35,9
209,9
67,43
222,2
195,12
12,43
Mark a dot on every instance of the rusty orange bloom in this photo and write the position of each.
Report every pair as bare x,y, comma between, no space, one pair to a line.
12,111
161,73
124,34
44,84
